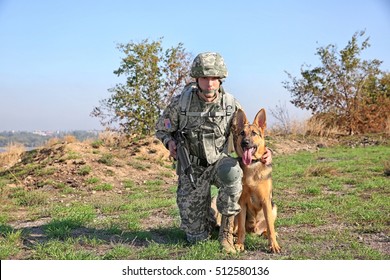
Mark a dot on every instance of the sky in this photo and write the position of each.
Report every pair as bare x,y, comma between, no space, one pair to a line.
57,57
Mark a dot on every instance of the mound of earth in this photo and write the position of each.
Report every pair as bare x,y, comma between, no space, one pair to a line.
80,163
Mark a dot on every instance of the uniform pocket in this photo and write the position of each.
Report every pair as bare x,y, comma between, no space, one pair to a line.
210,147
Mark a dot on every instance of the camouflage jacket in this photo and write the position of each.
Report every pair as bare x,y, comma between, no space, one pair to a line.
206,135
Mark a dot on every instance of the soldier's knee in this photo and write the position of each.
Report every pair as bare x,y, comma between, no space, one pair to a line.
229,172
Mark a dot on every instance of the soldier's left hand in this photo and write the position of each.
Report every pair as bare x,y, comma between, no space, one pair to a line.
267,157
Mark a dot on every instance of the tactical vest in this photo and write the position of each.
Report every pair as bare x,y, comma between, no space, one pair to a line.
206,130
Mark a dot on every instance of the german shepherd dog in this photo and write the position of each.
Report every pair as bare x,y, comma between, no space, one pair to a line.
258,213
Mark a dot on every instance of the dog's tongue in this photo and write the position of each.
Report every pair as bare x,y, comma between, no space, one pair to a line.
247,156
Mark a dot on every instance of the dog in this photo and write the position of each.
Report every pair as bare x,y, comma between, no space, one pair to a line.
258,213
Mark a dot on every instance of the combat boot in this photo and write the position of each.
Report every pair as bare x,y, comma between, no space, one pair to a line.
226,234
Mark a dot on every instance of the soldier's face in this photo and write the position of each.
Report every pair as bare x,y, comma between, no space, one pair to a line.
209,84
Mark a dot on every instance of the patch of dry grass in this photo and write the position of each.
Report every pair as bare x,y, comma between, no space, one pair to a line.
53,141
387,130
313,126
11,155
70,139
318,127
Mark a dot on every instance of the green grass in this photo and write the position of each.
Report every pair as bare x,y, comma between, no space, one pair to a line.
68,249
73,155
347,190
97,144
332,204
107,159
85,170
10,242
139,165
103,187
77,214
92,181
120,252
23,197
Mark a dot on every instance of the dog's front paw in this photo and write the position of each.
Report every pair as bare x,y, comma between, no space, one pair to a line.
275,248
239,247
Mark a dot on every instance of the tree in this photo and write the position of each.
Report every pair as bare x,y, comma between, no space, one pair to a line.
280,113
344,89
153,77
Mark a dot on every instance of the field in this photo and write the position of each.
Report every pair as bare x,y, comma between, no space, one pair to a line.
107,201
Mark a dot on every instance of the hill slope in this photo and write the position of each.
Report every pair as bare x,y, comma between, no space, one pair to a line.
87,200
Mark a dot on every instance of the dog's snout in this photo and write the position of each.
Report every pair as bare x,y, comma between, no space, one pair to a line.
245,142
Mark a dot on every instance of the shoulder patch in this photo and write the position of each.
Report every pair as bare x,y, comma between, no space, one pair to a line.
167,123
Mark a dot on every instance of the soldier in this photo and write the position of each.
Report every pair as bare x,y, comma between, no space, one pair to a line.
203,113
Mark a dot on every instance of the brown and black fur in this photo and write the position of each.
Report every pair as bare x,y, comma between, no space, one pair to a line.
258,213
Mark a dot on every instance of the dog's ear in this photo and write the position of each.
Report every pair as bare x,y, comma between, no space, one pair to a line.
260,119
240,120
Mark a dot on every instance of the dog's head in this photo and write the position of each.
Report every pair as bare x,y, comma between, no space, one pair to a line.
249,141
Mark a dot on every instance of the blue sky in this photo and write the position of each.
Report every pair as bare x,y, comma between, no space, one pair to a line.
57,57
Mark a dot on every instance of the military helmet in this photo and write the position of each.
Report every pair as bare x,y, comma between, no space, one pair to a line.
208,64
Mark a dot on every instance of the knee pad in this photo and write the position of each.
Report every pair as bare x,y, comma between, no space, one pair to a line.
229,172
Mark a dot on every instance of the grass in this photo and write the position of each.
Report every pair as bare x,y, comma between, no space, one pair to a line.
107,159
97,144
10,242
68,249
85,170
21,197
139,165
103,187
92,181
332,204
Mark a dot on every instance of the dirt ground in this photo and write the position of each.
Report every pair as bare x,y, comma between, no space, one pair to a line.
62,162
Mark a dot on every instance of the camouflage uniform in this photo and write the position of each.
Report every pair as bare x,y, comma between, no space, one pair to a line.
207,140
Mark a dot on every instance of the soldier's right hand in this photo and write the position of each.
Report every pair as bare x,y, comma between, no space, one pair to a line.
172,148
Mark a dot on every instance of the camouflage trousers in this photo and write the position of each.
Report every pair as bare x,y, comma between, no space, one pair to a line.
195,203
